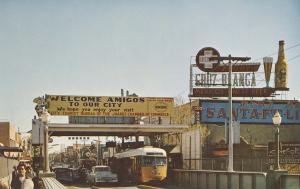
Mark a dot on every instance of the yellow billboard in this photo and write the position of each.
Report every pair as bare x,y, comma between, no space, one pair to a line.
62,105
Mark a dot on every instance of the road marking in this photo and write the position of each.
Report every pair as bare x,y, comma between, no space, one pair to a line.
148,187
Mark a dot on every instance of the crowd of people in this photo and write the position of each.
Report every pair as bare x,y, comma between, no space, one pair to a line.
23,177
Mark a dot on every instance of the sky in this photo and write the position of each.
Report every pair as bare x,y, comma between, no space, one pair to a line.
95,48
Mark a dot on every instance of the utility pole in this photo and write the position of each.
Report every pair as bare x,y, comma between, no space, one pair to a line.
230,133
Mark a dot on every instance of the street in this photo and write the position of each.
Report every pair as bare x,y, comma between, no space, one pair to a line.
86,186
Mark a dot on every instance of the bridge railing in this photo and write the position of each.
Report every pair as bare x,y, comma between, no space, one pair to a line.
49,181
208,179
240,164
290,181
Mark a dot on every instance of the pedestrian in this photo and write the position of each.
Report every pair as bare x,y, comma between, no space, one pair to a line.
14,174
22,181
3,185
29,172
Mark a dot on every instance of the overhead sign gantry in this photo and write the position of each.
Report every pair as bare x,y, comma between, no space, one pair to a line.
108,106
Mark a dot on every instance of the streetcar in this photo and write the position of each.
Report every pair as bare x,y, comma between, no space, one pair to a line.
141,165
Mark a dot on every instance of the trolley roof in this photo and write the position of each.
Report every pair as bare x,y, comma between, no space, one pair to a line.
144,151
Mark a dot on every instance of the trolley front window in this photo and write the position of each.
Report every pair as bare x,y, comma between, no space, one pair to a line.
152,160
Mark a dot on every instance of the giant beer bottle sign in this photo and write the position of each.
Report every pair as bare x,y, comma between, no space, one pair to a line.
281,75
203,59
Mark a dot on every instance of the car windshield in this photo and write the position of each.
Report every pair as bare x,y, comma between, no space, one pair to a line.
63,172
152,160
101,169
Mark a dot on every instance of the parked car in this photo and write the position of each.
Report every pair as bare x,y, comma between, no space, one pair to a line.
83,173
101,174
67,175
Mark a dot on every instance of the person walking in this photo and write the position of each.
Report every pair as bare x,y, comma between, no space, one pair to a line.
3,185
22,181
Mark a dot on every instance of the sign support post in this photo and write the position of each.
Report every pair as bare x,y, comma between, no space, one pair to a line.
230,134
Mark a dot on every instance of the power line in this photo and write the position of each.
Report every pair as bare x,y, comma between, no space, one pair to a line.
275,53
294,57
293,46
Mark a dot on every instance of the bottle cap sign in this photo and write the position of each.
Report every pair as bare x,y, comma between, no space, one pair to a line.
203,59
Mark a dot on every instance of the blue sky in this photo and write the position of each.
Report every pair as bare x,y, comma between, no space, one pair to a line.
98,47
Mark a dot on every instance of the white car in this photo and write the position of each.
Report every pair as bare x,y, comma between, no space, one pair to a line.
101,174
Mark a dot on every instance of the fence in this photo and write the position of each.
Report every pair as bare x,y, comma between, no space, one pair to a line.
211,179
208,179
290,181
240,164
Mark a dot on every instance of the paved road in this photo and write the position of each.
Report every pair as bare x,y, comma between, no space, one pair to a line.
85,186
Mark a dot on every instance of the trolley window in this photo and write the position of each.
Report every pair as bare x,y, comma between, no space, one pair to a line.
152,160
154,153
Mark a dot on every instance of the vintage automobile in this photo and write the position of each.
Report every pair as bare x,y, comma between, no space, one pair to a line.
66,175
101,174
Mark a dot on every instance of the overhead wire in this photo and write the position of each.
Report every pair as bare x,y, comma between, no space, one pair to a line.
295,57
275,53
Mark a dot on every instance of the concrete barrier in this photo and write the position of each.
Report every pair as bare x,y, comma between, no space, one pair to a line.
290,181
207,179
52,183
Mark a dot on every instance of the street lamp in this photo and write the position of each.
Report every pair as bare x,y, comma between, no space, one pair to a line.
277,121
45,118
98,143
230,129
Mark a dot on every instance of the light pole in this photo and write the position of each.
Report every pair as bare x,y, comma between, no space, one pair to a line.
98,142
45,118
230,129
230,146
277,121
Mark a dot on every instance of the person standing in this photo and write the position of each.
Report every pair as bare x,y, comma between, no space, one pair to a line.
14,173
22,181
3,185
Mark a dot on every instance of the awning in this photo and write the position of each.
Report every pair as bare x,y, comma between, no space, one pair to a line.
10,149
175,150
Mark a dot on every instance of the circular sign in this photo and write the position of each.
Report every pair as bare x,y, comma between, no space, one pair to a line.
161,107
203,60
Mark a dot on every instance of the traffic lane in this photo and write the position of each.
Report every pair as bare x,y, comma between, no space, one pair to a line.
126,187
122,186
86,186
159,187
95,187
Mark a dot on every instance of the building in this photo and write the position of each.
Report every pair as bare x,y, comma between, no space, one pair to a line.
10,137
253,133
